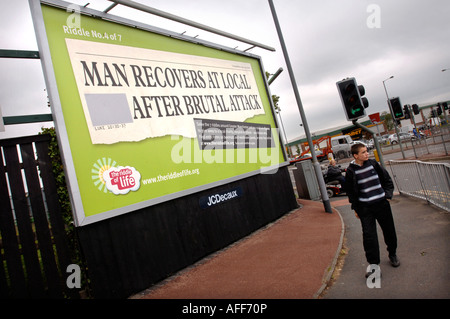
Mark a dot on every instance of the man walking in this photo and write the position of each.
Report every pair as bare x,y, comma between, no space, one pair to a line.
369,187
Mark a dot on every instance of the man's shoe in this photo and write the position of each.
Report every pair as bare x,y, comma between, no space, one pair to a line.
394,261
371,269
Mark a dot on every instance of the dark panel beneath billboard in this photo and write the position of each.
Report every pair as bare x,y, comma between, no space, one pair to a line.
131,252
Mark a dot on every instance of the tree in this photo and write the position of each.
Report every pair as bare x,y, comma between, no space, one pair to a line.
388,120
275,98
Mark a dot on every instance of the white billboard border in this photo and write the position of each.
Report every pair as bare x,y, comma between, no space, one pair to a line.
50,79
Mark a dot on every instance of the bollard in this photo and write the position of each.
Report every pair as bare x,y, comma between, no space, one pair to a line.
375,153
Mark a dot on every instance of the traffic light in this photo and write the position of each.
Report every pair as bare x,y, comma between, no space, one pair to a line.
438,109
415,108
406,111
396,108
445,105
351,97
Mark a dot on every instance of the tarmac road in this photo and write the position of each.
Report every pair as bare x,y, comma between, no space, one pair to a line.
423,233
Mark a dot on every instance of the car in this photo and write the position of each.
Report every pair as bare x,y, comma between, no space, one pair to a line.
366,143
308,155
341,146
319,155
403,137
382,139
360,142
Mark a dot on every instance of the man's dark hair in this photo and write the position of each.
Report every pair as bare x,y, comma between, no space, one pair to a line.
356,148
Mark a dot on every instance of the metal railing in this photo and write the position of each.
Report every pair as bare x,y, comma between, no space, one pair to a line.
428,181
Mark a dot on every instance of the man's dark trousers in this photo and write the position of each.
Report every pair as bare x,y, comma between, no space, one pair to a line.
368,215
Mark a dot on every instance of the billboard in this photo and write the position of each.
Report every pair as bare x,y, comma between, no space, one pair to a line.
144,117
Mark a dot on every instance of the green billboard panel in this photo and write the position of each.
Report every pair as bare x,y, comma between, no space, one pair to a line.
145,118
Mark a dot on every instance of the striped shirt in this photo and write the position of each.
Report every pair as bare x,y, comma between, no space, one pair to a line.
370,190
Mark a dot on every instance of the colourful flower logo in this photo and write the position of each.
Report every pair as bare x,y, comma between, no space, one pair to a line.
97,171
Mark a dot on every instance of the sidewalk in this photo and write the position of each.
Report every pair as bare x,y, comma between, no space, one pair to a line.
292,258
423,233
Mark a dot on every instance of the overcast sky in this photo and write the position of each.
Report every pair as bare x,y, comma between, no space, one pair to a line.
327,40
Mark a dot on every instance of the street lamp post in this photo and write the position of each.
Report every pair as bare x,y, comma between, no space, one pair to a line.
316,165
393,118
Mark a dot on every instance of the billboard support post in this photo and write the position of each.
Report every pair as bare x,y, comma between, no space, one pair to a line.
144,8
322,187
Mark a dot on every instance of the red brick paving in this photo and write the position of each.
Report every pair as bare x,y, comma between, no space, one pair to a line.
286,260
